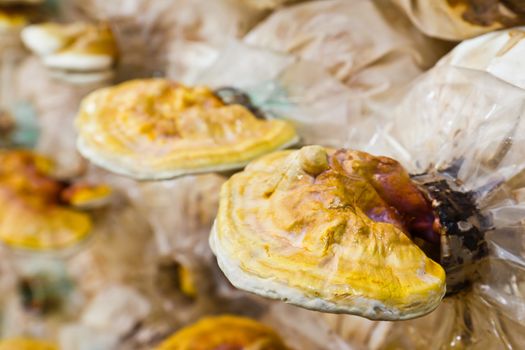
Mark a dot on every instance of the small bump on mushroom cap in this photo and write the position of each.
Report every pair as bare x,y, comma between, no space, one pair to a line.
33,214
313,159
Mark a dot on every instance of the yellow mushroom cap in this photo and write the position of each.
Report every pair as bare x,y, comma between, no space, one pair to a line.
13,19
77,47
46,38
32,213
328,230
187,281
157,129
83,195
25,344
224,333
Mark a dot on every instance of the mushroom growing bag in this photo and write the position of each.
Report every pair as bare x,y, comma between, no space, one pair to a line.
463,122
319,65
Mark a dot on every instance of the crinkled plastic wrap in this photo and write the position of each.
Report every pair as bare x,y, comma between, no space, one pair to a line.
117,276
11,54
307,63
467,115
348,39
181,212
462,19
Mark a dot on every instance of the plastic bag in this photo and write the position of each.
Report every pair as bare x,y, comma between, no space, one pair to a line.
337,34
181,211
465,117
15,127
321,76
54,113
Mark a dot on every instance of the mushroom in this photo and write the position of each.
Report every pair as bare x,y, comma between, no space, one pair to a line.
38,211
12,20
224,332
330,230
157,129
77,52
26,344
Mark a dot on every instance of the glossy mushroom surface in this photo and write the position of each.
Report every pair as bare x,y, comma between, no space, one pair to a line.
39,212
330,230
157,129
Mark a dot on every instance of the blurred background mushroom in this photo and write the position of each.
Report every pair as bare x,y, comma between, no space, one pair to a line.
78,53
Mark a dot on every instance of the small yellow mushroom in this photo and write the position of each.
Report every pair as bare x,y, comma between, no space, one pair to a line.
224,332
35,211
26,344
76,52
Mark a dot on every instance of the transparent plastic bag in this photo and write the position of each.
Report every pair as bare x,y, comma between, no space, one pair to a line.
465,117
16,128
321,76
54,112
181,211
347,38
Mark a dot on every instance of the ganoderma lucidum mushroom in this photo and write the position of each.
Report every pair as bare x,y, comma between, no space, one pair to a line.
157,129
331,230
26,344
77,52
468,169
40,212
224,332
